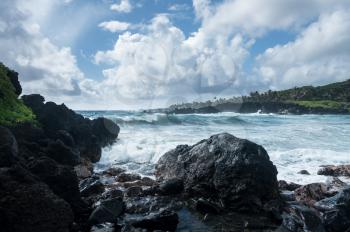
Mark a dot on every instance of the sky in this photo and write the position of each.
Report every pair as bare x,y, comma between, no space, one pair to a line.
138,54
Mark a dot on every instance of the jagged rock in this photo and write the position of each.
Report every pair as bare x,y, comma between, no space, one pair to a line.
134,191
61,153
236,171
336,211
105,130
311,193
287,195
66,138
107,211
26,204
62,180
84,169
113,171
112,193
164,221
128,177
171,187
34,101
146,181
8,148
105,227
91,186
88,135
283,185
331,170
203,206
335,185
301,218
14,81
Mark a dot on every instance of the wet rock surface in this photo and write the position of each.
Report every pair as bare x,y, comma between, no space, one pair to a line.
311,193
298,217
284,185
235,171
336,211
164,221
331,170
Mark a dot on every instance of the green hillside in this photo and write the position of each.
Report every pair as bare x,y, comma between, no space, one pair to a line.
12,110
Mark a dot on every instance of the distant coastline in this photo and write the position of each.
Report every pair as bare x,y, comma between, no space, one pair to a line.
329,99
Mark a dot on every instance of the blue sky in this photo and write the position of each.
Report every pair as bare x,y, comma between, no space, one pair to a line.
121,54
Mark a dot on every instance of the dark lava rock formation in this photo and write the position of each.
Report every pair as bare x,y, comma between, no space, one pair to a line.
234,171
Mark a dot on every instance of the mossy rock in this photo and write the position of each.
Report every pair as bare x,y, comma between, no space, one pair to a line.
12,109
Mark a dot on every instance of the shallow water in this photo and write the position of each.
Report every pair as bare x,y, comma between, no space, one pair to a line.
293,142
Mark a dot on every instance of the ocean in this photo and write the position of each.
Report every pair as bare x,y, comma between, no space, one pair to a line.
293,142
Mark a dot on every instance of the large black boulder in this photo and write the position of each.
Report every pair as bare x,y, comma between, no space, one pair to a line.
26,204
235,171
105,130
8,147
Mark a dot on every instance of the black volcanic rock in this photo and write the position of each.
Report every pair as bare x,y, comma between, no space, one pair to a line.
107,211
34,101
105,130
62,180
59,122
163,221
14,81
171,187
61,153
236,171
301,218
8,148
26,204
336,211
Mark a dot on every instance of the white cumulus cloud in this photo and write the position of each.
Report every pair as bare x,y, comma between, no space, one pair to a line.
124,6
319,55
114,26
44,67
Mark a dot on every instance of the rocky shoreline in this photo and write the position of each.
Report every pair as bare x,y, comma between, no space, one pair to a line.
223,183
273,107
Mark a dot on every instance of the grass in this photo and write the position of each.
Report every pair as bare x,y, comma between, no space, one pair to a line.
12,109
326,104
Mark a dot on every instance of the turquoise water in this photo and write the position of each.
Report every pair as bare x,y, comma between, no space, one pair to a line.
293,142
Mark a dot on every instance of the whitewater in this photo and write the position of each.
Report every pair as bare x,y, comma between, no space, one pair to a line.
293,142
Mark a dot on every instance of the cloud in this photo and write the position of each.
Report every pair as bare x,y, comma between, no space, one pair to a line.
114,26
319,55
179,7
124,6
202,8
255,18
162,62
43,66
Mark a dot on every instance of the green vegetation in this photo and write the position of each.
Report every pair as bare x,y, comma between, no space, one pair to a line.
339,92
12,110
335,96
327,104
